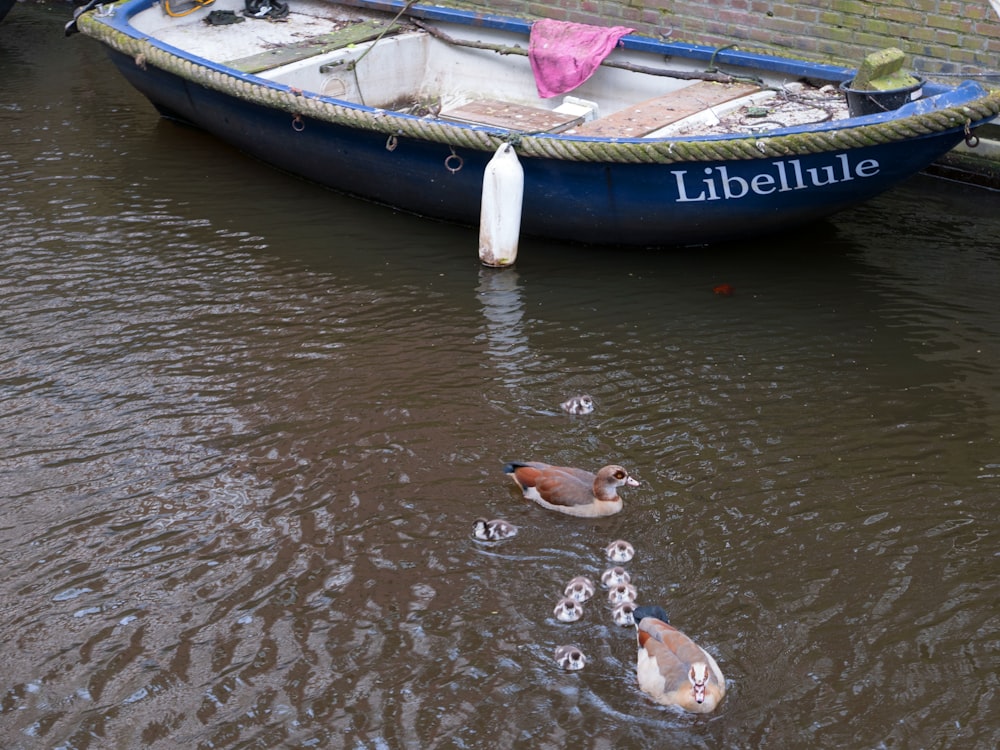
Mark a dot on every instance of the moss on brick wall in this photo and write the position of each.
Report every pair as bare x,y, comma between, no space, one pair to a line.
944,37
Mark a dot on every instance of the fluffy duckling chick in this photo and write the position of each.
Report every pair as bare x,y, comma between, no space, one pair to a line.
614,576
622,592
582,404
619,551
580,588
568,610
672,668
575,492
570,658
623,614
493,531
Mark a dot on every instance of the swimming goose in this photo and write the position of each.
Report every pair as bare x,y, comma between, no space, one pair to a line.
574,492
671,668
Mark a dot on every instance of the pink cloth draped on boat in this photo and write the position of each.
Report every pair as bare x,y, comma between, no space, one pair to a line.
563,55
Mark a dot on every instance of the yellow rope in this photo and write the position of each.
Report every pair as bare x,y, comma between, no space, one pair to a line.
181,13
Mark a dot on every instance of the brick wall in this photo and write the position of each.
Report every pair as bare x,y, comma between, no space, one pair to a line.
945,37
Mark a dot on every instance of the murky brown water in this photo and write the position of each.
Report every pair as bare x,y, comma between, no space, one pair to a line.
247,425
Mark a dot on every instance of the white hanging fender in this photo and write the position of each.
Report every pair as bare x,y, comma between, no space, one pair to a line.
500,216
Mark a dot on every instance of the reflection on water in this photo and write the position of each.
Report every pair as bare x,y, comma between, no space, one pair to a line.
247,425
499,294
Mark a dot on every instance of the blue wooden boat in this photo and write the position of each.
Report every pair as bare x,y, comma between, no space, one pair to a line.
665,144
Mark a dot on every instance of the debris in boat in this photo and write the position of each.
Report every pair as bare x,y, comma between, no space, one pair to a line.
272,10
796,103
426,108
223,18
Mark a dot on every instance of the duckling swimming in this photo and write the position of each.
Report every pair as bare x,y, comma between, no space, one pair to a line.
582,404
493,531
614,576
623,614
570,658
580,588
568,610
623,592
619,551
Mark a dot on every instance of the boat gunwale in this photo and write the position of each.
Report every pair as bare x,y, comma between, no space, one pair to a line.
118,33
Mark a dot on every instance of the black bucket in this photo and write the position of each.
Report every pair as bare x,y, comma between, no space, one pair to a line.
861,102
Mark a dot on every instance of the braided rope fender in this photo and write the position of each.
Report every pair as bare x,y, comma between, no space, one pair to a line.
626,151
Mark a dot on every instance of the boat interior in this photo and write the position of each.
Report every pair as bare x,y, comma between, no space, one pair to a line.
478,75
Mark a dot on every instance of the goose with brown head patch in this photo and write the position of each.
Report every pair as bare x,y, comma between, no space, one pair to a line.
673,669
575,492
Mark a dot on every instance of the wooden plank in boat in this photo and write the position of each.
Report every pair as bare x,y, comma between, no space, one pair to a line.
356,33
511,116
653,114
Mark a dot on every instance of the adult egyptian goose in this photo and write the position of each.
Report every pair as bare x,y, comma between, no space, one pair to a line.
574,492
672,668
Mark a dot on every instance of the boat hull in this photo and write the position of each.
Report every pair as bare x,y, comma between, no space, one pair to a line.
586,202
652,202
